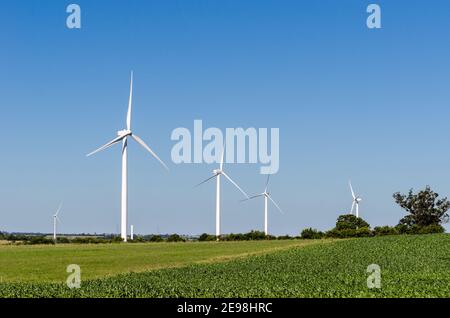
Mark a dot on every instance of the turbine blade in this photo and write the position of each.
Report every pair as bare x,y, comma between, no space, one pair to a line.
130,101
222,157
109,144
253,197
277,206
351,189
205,181
143,144
235,184
353,207
267,182
59,209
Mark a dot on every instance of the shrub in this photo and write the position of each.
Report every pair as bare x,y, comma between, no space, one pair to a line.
175,238
311,234
363,232
349,221
206,237
284,237
431,229
385,230
156,238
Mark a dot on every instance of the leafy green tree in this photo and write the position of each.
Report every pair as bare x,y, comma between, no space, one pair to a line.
424,208
350,222
311,234
175,238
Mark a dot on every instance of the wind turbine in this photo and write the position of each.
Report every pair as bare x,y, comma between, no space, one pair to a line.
356,200
55,220
218,173
267,197
123,136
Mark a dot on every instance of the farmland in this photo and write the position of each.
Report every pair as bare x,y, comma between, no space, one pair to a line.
411,266
47,263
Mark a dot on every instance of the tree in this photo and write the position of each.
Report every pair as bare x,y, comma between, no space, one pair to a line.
350,222
424,208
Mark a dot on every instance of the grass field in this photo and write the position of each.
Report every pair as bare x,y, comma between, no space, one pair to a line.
48,263
412,266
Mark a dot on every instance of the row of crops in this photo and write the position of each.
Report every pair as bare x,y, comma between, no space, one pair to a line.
411,266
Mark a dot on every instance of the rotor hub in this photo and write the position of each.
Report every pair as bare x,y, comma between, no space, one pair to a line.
124,132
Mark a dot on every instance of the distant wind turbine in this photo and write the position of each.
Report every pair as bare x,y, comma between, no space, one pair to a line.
56,220
217,174
356,200
122,136
267,197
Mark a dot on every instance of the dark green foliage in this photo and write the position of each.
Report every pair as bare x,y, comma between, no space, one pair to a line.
424,208
207,238
285,237
348,233
250,236
415,229
385,230
311,234
349,226
350,222
156,238
175,238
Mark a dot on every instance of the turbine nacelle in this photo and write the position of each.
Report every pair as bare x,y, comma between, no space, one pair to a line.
217,172
124,133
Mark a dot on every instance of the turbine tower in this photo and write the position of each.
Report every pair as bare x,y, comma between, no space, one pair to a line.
218,173
123,136
267,197
356,200
56,220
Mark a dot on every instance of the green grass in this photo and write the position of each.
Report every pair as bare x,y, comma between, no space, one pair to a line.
48,263
412,266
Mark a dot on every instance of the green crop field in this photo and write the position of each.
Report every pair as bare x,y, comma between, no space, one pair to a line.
48,263
411,266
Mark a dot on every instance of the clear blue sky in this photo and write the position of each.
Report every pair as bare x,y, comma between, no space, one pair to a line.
370,105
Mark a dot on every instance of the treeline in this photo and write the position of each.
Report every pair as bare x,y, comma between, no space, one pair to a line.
44,239
348,226
426,214
250,236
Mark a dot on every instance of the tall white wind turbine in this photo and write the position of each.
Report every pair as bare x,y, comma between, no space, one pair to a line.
218,173
123,136
56,220
267,197
356,200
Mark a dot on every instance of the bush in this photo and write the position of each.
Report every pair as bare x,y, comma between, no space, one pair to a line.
175,238
156,238
284,237
349,233
349,221
311,234
431,229
363,232
206,238
385,230
255,236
